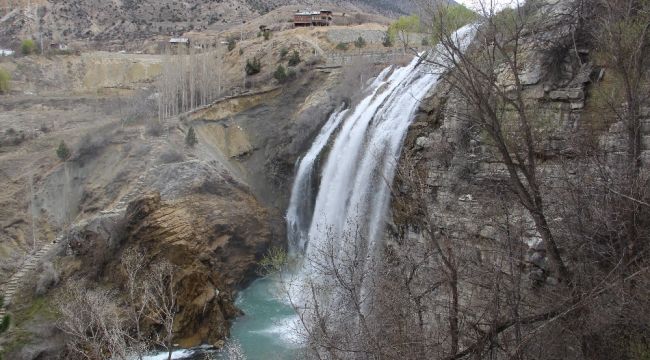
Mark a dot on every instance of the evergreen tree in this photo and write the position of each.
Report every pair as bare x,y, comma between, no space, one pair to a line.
280,74
5,322
283,53
190,138
360,42
294,59
232,43
253,66
388,40
63,152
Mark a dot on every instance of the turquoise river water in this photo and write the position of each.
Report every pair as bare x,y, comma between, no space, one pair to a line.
267,330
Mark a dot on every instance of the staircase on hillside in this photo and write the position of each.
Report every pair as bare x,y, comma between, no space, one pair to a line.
29,265
139,185
33,260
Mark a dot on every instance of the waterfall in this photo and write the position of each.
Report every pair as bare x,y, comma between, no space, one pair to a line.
299,213
346,219
301,203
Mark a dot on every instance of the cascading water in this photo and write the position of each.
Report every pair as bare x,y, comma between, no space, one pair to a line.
301,205
350,197
347,220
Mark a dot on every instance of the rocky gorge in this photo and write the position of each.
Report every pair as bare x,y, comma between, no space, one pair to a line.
508,220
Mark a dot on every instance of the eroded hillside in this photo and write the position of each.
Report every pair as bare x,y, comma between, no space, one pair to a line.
130,183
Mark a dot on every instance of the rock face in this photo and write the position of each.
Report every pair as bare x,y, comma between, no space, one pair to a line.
463,171
205,223
263,134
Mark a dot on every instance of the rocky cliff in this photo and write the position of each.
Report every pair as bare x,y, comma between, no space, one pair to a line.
455,191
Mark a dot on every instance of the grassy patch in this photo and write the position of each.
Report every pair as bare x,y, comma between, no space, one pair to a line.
18,339
39,308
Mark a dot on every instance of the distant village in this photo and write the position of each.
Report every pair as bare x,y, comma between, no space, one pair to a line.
302,18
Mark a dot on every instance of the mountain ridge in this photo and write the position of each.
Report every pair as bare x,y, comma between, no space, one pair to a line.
129,20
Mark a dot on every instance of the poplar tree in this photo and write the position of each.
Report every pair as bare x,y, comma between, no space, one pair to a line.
190,138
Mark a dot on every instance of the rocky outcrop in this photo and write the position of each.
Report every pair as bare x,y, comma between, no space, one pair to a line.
262,134
200,220
462,169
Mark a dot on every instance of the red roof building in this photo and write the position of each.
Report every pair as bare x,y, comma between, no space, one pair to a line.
312,18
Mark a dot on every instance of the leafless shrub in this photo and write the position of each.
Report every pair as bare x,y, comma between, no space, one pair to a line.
93,142
314,60
92,322
154,128
13,138
234,351
96,327
141,150
171,155
142,105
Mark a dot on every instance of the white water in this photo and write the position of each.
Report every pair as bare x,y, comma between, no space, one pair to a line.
351,195
348,216
301,204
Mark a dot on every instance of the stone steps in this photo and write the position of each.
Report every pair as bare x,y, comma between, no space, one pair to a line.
30,264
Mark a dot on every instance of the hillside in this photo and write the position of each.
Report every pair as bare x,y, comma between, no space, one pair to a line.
128,20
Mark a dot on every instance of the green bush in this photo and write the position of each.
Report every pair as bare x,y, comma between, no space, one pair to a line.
5,81
280,74
342,46
267,34
283,53
388,40
403,27
63,152
232,43
5,322
449,18
190,138
425,42
360,43
294,59
253,66
28,47
275,261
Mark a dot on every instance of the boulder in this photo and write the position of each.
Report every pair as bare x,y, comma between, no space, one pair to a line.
567,94
423,143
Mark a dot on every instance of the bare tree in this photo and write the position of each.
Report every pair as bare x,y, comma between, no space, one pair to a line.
98,328
162,307
489,77
134,264
92,322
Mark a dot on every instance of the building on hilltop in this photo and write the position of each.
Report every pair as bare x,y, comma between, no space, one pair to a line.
179,42
312,18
